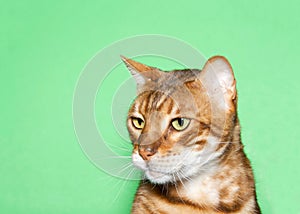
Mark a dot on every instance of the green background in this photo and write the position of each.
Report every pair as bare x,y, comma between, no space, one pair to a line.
45,45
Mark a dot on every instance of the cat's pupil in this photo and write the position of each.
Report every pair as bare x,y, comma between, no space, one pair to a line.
180,121
140,121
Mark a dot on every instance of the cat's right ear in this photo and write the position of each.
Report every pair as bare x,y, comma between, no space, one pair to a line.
143,74
218,79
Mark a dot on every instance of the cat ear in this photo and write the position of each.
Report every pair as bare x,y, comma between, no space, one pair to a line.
143,74
217,74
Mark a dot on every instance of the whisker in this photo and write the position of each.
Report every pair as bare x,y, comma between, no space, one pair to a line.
188,178
126,167
153,187
175,184
119,147
117,156
115,185
122,166
123,185
178,175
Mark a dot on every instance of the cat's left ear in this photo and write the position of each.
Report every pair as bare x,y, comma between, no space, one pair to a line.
143,74
217,74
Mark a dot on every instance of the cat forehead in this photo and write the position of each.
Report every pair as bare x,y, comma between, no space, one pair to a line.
179,77
178,102
172,81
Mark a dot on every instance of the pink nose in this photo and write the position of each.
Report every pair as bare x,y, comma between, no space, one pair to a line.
146,153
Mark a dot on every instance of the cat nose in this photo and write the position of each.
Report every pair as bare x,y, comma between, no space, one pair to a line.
146,152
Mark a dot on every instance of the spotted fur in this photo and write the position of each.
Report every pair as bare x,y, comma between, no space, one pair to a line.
203,168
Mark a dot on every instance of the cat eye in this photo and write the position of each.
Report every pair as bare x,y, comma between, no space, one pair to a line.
180,123
138,123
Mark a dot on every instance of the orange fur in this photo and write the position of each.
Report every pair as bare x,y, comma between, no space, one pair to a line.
201,168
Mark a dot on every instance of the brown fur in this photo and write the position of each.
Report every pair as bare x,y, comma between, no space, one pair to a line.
223,181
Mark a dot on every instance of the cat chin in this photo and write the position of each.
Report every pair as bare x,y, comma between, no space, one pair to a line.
158,177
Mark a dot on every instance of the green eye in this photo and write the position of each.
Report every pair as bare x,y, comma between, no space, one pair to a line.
180,123
138,123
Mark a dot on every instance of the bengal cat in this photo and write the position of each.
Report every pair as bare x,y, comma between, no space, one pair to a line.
186,139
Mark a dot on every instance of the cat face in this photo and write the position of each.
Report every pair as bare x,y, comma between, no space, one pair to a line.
180,122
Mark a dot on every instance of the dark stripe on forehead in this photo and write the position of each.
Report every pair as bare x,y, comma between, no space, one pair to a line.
164,103
145,103
157,96
160,103
134,107
155,100
170,106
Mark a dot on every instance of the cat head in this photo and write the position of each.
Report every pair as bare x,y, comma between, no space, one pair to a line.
181,121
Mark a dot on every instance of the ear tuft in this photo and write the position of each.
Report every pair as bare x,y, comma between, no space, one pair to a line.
135,66
142,73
